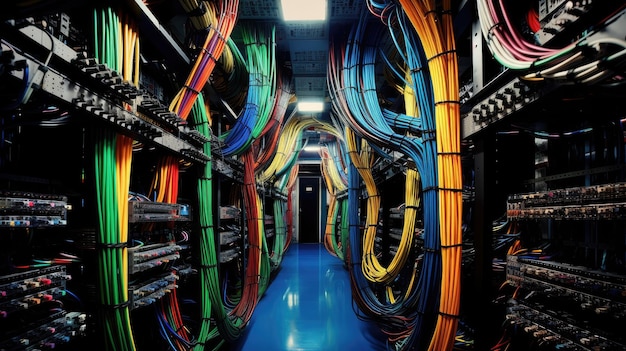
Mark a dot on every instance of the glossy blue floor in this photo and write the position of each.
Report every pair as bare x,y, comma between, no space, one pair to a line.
308,307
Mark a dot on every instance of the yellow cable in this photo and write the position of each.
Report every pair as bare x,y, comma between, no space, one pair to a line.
437,36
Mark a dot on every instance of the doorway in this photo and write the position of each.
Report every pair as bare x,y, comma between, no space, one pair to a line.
309,212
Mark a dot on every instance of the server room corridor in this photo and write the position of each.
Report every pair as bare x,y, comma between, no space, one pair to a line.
308,307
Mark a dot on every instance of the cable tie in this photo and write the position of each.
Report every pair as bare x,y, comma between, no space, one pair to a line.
219,34
489,32
430,12
429,249
412,207
112,246
117,306
442,54
209,266
447,102
449,315
207,226
429,138
416,69
192,89
451,246
429,188
453,153
210,54
429,135
198,11
456,190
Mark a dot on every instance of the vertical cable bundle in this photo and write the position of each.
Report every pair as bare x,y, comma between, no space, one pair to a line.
209,277
261,63
436,33
280,209
330,240
272,131
293,175
116,43
112,177
352,84
221,19
165,182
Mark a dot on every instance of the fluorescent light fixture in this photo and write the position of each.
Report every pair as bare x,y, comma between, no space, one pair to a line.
304,10
310,106
312,148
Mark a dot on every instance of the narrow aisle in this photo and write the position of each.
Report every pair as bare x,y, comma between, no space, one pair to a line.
308,307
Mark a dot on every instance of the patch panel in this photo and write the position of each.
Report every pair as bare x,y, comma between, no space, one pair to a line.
572,195
46,294
117,103
506,100
16,199
227,167
551,329
596,290
229,212
151,256
583,212
31,221
229,255
58,329
577,270
561,15
146,211
22,209
147,293
19,285
229,236
546,7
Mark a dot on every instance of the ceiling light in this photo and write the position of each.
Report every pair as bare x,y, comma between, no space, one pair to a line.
309,10
312,148
310,106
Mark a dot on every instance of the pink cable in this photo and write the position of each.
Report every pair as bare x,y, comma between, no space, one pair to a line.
523,44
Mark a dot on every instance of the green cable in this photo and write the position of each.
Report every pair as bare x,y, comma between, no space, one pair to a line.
333,230
208,261
118,335
345,227
95,35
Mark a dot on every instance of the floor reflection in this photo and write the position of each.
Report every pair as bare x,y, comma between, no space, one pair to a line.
308,307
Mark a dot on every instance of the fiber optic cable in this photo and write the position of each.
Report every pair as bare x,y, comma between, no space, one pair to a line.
352,110
293,175
378,131
274,126
261,63
112,174
389,321
221,18
116,43
571,64
437,36
210,292
198,14
290,144
330,240
218,20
